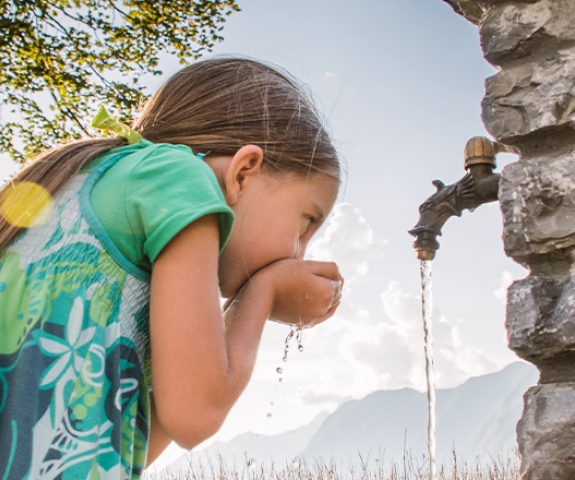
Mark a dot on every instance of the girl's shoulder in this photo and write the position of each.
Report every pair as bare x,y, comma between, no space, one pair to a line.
150,193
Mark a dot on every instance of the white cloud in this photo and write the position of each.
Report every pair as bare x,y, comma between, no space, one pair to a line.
348,240
504,283
330,75
359,351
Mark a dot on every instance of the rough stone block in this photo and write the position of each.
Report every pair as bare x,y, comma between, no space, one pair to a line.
514,30
540,324
537,198
473,10
546,433
525,104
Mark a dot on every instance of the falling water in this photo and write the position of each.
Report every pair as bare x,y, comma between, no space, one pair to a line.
293,331
426,307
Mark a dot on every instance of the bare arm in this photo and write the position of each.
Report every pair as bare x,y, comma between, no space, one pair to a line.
199,369
159,439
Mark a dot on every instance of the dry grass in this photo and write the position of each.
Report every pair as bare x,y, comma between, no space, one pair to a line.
500,468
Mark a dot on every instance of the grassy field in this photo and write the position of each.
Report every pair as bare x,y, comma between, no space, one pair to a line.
409,468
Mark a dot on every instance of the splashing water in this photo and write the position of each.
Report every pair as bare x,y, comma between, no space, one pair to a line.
292,331
297,331
426,308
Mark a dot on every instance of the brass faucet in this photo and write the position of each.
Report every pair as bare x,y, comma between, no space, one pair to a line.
479,185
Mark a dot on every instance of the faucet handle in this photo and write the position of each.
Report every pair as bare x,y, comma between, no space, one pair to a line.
479,150
482,150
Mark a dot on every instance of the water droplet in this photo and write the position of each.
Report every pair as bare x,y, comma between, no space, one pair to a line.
279,370
270,415
281,379
306,296
298,339
291,333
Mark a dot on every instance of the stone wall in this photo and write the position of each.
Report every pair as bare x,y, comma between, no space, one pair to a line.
530,104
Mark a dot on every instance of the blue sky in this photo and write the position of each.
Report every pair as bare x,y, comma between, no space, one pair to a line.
400,82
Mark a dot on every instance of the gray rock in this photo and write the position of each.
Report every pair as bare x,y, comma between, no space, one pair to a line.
515,30
525,103
537,198
546,433
541,318
473,10
530,104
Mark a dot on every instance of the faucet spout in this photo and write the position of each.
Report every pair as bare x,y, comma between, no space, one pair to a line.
479,185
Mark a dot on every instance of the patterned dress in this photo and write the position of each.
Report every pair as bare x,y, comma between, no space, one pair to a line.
74,348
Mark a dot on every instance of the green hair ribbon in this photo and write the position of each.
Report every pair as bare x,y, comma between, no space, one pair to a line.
103,121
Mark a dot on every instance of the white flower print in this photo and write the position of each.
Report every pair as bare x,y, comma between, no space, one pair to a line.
55,346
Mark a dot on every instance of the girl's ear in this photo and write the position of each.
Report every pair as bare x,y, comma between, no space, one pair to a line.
245,165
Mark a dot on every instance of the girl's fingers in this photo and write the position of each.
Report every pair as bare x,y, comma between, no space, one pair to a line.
330,312
329,295
337,296
325,269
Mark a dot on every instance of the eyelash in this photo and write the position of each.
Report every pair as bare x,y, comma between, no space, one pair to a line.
311,221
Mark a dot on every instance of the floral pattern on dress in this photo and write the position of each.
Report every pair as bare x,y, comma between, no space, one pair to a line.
74,353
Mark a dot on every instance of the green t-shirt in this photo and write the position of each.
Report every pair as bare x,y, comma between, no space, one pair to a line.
149,195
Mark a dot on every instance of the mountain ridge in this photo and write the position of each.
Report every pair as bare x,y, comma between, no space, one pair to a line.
475,419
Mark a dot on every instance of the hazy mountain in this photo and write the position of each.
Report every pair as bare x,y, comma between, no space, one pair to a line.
265,448
255,448
477,418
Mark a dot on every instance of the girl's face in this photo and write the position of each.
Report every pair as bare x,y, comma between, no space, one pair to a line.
276,216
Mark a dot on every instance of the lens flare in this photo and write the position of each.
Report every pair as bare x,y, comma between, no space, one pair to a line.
25,204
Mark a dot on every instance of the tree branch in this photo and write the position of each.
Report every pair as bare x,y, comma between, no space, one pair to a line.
65,32
67,112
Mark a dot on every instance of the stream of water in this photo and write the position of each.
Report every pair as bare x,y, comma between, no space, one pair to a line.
426,307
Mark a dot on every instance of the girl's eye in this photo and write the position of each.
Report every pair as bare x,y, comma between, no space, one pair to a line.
310,222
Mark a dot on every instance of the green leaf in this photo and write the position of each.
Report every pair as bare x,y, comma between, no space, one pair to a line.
61,59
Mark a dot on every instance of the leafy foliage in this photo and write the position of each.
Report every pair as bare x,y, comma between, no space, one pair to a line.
61,59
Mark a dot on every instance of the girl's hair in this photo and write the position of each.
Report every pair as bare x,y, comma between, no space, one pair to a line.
214,106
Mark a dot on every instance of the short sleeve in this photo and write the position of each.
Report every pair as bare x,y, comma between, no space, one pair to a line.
152,195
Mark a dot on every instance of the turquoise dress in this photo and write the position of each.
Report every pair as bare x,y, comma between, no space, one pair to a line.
74,347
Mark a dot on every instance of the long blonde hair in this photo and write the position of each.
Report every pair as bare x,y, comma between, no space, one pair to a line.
214,106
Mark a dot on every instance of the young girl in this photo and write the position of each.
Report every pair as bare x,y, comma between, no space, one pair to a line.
112,291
